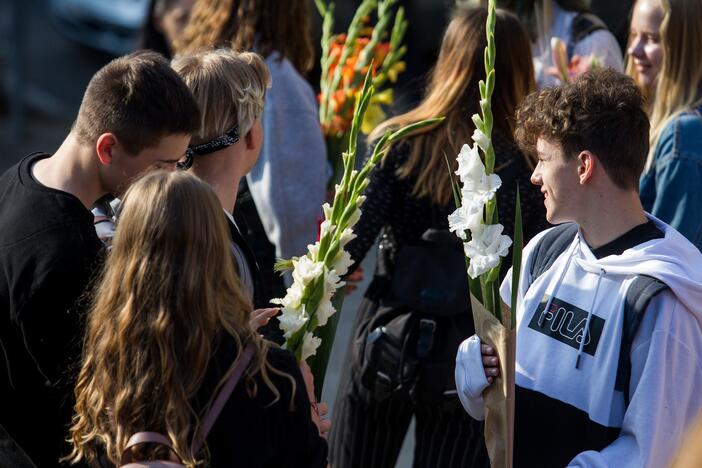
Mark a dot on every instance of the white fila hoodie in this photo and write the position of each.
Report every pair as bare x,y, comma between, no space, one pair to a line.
567,408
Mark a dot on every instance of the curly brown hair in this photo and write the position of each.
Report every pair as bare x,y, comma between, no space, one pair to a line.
263,26
601,112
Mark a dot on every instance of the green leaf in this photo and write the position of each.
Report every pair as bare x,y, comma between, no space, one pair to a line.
282,265
320,361
455,189
516,256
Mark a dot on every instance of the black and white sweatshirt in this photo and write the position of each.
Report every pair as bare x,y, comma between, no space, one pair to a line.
568,411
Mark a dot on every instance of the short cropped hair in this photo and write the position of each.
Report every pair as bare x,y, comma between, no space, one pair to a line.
229,86
138,98
601,112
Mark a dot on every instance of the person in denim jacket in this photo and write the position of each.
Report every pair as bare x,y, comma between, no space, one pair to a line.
671,189
663,60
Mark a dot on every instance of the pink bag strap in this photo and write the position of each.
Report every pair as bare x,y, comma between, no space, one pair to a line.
147,438
221,399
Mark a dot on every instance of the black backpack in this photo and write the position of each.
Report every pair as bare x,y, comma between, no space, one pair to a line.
639,294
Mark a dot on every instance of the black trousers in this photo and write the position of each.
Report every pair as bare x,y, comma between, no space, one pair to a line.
369,434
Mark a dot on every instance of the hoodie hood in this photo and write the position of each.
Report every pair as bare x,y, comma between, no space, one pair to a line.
672,259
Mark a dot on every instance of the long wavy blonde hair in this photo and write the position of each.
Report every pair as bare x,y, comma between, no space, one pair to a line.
169,291
453,93
265,26
679,86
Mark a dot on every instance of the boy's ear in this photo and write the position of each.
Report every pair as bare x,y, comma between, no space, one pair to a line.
587,162
104,147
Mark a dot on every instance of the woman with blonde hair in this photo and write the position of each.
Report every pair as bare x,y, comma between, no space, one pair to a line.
664,59
168,325
408,199
284,192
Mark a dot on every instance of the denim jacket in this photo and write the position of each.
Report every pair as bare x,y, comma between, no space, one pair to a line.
671,189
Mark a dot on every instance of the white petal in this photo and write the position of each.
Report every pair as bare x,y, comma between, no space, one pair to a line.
346,236
481,139
305,270
324,311
466,217
310,343
291,321
327,210
342,262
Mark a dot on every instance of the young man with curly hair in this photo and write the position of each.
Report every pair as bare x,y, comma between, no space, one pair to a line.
609,333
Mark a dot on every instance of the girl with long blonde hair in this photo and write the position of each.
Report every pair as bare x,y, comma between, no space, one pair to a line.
168,323
408,199
664,58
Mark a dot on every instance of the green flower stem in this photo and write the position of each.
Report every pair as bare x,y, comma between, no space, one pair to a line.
364,58
363,10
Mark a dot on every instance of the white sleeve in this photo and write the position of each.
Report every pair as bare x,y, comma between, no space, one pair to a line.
288,183
665,380
470,377
605,46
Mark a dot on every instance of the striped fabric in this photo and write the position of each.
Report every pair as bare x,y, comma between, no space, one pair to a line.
369,434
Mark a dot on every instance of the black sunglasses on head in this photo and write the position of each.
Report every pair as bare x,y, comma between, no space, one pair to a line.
216,144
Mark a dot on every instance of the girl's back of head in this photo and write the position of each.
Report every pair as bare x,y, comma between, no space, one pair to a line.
453,93
228,86
169,289
265,26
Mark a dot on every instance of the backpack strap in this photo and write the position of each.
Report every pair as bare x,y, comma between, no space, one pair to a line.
221,399
148,438
638,296
550,247
582,26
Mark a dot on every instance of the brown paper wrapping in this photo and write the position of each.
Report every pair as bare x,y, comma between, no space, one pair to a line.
499,397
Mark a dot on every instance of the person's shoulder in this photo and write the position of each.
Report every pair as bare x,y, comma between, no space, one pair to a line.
288,86
282,359
682,136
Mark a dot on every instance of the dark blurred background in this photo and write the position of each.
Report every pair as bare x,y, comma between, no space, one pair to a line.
49,49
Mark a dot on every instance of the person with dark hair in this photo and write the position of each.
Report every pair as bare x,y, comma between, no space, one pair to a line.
609,327
408,200
164,25
283,194
136,113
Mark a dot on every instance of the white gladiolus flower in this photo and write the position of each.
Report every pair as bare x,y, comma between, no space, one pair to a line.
466,217
327,210
485,248
346,236
324,311
478,187
313,250
293,297
481,139
326,228
342,262
305,270
310,343
291,320
360,200
354,218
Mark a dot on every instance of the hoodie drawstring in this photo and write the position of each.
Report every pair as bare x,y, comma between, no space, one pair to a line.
589,316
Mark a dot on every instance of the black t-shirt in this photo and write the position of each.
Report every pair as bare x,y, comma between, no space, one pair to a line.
48,253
